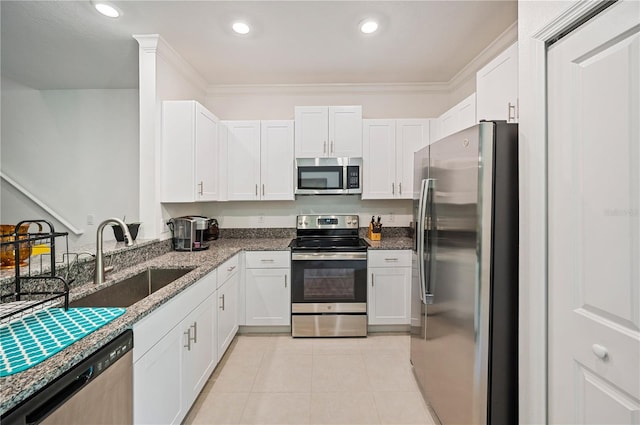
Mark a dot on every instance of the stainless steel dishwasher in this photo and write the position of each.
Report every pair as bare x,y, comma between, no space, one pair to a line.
98,390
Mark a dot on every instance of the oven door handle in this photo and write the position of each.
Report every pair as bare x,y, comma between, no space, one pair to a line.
311,256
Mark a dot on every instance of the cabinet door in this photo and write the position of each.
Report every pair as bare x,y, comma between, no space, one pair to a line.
268,295
311,131
157,382
497,87
227,312
206,150
243,158
177,174
411,135
378,158
276,163
389,296
449,123
198,350
466,111
345,131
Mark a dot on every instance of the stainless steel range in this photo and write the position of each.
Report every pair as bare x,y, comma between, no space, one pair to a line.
329,277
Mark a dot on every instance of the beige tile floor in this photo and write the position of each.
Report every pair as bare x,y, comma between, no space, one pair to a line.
282,380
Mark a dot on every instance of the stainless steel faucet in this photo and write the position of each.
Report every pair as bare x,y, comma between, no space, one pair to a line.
98,277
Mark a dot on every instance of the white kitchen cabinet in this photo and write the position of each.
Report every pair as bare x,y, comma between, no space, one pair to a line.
189,153
227,304
387,151
459,117
168,372
157,382
243,160
267,287
276,160
259,160
328,131
389,287
198,349
497,87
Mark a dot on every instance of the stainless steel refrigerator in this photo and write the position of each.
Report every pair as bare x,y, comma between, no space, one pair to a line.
464,342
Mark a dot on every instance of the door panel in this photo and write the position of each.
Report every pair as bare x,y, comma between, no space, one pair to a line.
594,220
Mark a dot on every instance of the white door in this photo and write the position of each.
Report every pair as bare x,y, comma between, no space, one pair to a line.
227,315
594,220
345,131
268,296
379,159
206,155
276,164
243,154
389,296
311,131
497,87
411,135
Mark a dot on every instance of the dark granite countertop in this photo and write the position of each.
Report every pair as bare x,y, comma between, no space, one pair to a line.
391,243
15,388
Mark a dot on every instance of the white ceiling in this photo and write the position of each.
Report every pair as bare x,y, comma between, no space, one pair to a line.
66,44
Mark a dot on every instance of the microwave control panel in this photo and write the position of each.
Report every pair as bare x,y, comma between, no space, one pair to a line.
353,177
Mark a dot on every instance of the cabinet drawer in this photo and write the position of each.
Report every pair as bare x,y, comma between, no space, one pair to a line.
389,258
268,259
228,269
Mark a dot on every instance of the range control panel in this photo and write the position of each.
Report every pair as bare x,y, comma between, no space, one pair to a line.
328,222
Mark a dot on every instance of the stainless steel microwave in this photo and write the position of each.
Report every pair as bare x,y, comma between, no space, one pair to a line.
328,176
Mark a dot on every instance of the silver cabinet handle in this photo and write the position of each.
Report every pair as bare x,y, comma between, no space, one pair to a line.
400,188
195,332
188,335
267,260
600,351
372,284
230,269
324,147
510,108
201,184
393,188
256,189
332,146
222,306
262,189
390,259
285,280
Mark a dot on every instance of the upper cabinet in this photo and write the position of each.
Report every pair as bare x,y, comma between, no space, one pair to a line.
458,118
189,151
497,87
259,160
328,131
388,147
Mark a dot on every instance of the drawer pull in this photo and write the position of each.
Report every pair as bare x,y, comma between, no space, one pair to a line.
600,351
187,333
230,269
372,284
285,280
390,259
195,332
267,260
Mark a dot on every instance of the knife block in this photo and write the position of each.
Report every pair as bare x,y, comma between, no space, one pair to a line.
375,232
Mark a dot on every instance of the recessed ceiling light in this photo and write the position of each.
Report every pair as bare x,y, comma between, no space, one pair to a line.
368,26
241,28
106,9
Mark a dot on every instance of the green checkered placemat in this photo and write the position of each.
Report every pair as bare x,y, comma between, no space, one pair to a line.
26,342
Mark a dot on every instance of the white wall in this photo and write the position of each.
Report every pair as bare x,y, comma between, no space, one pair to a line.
278,102
394,213
75,150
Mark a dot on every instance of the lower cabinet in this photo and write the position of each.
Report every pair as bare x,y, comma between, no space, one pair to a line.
174,354
227,304
389,287
268,288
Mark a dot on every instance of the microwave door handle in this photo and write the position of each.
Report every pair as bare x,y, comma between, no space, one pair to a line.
420,237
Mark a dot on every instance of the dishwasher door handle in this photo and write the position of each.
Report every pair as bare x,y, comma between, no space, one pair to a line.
51,404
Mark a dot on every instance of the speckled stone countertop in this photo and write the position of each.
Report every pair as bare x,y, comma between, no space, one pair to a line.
15,388
391,243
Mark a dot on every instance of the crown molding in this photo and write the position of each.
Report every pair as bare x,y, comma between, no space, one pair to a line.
154,43
325,88
497,46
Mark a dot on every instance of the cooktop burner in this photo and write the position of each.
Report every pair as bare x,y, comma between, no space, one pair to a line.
336,233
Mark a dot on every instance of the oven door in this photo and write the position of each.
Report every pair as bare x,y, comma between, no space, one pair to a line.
329,282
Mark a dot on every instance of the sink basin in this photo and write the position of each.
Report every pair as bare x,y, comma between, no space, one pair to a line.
131,290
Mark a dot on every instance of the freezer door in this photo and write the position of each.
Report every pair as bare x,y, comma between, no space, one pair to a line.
449,382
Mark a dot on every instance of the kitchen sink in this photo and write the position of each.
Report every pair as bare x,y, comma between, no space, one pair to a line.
131,290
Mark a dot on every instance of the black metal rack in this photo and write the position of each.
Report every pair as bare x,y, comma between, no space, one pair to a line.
36,286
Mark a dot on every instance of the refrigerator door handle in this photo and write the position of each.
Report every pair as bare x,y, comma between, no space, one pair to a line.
426,201
430,218
420,237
